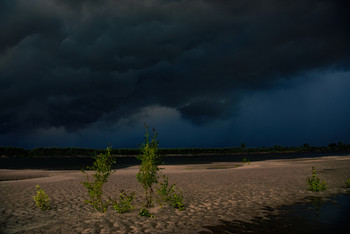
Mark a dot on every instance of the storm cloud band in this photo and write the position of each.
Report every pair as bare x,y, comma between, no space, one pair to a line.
73,64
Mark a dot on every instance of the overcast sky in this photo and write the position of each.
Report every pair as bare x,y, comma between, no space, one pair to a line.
204,73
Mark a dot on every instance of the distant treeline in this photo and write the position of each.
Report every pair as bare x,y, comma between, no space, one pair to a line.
85,152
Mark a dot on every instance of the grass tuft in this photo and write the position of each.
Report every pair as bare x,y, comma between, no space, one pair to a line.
125,202
145,213
170,195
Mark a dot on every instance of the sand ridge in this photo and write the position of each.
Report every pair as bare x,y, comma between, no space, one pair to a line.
212,192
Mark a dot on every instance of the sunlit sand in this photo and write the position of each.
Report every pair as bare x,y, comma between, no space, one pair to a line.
212,192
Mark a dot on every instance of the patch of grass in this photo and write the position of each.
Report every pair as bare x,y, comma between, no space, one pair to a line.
125,202
102,170
145,213
41,199
348,183
315,183
170,195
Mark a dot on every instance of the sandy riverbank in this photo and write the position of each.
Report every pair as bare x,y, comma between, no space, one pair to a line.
212,192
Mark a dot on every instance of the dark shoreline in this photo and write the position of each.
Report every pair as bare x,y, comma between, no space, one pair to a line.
77,163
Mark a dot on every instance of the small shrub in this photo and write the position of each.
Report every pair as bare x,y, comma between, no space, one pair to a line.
125,202
169,194
41,199
150,160
145,213
245,160
102,170
148,175
176,201
315,184
348,183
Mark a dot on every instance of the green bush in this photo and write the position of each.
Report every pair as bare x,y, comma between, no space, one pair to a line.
315,184
245,160
348,183
150,161
41,199
169,194
125,202
102,170
148,175
145,213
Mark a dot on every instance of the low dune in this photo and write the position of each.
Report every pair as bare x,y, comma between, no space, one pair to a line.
213,193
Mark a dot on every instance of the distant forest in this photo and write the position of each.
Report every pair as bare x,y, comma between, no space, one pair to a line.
15,152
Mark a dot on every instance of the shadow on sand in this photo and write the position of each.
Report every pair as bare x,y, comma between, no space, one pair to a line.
315,215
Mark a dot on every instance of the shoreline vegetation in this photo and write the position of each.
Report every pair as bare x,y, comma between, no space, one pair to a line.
71,152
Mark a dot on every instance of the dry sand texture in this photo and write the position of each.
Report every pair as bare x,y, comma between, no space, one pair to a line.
212,192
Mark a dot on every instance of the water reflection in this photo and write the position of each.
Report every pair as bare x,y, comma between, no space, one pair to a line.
316,215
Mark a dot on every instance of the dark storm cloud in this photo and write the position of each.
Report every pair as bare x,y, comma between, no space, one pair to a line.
74,63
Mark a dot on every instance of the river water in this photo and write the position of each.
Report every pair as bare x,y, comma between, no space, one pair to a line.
79,163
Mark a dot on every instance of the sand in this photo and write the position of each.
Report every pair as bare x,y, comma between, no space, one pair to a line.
213,193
